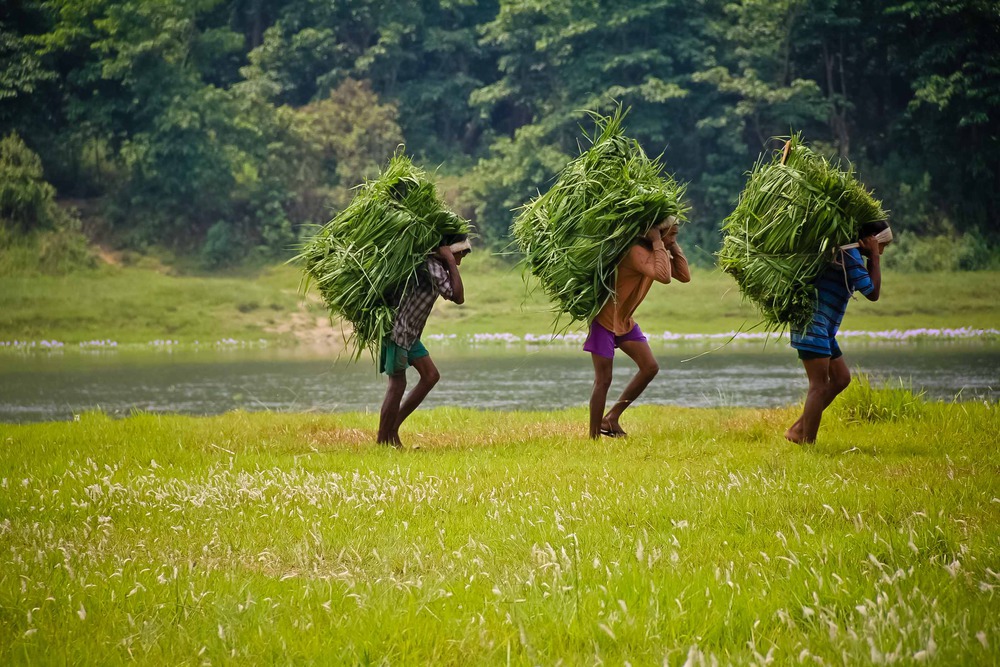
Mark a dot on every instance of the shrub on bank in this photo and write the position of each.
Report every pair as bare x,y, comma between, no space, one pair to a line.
27,200
942,252
36,236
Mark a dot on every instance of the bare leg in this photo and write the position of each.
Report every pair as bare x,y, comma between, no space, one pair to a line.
826,380
818,371
794,432
839,377
640,353
388,431
599,396
429,377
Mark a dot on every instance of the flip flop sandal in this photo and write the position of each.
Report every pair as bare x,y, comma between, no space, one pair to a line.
612,433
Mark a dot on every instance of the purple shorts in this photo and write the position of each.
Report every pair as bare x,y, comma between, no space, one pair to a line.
603,342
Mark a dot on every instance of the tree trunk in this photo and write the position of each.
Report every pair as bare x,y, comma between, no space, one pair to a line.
257,30
838,108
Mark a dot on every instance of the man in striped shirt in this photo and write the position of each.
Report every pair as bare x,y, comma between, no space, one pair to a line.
817,343
402,348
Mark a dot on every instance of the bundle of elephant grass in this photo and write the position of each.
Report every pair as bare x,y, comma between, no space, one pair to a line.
363,260
574,235
795,212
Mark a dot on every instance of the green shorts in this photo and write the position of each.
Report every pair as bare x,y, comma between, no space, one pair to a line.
395,359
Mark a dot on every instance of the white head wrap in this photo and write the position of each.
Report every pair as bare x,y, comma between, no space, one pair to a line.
461,246
884,236
666,224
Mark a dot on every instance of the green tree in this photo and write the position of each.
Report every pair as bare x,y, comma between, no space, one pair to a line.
948,53
22,75
351,134
439,62
27,200
557,60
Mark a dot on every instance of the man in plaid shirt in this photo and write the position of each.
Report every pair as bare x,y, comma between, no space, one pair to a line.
402,347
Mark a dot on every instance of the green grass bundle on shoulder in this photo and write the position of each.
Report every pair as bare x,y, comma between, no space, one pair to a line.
574,235
786,229
363,259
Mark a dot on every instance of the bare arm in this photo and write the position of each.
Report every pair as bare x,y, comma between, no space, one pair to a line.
457,288
653,263
679,264
869,248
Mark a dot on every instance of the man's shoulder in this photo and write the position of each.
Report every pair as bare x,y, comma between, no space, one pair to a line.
435,266
636,254
853,258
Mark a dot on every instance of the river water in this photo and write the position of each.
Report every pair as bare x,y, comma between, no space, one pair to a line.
41,386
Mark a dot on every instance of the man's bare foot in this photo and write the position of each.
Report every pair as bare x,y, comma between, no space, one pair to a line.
612,429
393,441
794,434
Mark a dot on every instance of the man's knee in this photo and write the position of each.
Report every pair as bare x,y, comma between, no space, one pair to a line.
649,371
840,383
819,387
431,376
602,382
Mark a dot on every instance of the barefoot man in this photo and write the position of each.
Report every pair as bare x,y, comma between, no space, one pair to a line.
402,347
657,256
817,343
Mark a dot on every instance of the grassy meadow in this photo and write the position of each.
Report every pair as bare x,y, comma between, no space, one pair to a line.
702,539
139,304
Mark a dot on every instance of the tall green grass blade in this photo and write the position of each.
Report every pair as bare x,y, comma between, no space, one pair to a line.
574,235
786,228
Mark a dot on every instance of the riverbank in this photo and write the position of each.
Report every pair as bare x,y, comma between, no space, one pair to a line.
58,385
508,537
146,305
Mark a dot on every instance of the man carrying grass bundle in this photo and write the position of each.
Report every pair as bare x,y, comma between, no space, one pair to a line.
588,242
817,342
792,245
379,265
402,348
655,256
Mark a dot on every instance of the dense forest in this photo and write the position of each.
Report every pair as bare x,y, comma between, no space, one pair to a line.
224,128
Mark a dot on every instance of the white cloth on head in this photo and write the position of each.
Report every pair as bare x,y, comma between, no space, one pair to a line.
884,236
461,246
669,222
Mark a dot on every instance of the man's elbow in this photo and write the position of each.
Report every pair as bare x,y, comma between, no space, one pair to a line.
458,298
872,296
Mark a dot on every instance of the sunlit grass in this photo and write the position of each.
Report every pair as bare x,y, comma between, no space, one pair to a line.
138,305
134,305
259,538
862,401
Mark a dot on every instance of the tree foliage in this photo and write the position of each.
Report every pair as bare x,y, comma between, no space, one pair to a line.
225,127
27,200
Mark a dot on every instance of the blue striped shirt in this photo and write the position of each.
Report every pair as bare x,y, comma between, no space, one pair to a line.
834,288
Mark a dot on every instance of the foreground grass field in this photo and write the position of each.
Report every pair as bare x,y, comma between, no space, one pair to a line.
704,538
138,305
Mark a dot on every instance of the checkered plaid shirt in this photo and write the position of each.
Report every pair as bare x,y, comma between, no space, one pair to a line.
418,301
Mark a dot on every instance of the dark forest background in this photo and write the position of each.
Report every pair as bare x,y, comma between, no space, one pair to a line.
222,129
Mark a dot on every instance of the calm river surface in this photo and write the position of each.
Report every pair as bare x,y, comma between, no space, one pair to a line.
55,386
